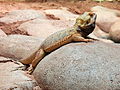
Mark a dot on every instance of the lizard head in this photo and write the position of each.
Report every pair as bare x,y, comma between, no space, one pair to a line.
85,23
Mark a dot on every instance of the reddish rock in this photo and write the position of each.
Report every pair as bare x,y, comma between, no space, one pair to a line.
105,17
115,32
43,28
19,46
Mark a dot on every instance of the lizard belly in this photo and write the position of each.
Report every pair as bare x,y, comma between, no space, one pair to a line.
58,44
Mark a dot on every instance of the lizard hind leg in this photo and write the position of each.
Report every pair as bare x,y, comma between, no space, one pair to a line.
29,59
39,56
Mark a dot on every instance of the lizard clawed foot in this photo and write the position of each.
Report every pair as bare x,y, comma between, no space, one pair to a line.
89,40
30,70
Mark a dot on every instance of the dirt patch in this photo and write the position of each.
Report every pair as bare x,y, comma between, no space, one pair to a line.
76,7
50,16
12,28
82,6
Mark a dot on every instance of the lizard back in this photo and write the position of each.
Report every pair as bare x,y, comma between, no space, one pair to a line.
57,39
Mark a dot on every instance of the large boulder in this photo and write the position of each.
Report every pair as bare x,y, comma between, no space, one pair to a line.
14,80
115,32
19,46
43,28
105,17
21,15
80,66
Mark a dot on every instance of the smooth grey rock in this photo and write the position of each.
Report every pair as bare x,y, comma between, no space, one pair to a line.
19,46
80,66
21,15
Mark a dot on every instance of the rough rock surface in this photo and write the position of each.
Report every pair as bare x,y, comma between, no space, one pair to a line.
61,14
13,80
81,66
18,46
21,15
115,32
2,33
105,17
43,28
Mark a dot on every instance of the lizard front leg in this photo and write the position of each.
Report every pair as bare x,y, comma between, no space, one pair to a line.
39,55
79,38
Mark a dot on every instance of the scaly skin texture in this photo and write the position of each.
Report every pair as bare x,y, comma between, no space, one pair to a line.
84,25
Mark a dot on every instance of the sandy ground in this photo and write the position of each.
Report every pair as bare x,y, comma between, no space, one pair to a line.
77,7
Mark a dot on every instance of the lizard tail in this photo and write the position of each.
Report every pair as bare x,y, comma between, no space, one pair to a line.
29,59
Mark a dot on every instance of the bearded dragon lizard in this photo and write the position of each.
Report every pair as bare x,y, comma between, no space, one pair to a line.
83,26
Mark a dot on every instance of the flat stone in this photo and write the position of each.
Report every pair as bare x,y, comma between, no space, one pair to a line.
21,15
80,66
19,46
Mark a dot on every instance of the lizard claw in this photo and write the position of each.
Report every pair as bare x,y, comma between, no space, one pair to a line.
89,40
30,70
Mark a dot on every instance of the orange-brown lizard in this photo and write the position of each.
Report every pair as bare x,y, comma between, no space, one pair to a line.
84,25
